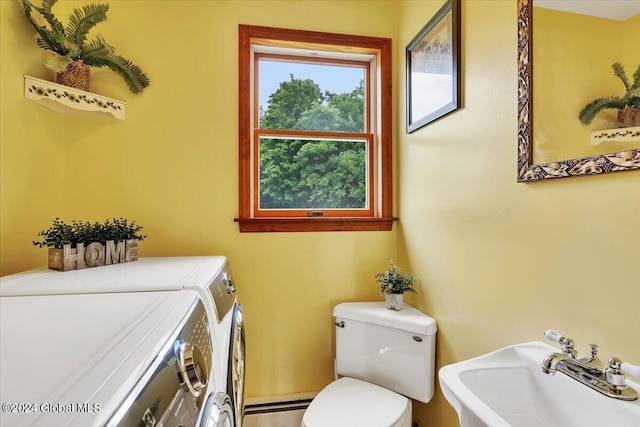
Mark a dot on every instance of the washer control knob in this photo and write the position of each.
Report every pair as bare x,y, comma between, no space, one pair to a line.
228,283
192,366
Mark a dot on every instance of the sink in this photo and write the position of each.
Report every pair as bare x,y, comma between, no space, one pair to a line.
507,388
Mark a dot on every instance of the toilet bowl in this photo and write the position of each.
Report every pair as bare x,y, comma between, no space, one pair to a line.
384,358
349,402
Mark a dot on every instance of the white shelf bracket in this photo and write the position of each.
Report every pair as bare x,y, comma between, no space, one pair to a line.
615,135
72,101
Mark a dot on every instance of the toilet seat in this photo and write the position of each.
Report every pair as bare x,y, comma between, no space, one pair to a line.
349,402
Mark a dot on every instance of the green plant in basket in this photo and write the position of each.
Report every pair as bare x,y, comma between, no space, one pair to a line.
628,105
68,44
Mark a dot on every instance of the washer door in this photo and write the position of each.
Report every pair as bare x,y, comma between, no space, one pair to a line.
235,380
217,412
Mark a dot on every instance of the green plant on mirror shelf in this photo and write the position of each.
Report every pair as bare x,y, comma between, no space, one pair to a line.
628,105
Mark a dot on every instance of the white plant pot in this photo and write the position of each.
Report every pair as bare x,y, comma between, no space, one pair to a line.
394,301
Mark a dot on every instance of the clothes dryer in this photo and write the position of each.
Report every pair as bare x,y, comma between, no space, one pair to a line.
128,359
209,276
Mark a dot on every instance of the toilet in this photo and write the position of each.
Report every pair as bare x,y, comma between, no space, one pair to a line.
383,358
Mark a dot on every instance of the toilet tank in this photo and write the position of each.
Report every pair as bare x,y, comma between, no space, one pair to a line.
393,349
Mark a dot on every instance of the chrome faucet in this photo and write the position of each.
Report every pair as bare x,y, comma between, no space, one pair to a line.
550,363
589,370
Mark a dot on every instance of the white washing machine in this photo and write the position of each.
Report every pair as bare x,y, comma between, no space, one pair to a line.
128,359
209,276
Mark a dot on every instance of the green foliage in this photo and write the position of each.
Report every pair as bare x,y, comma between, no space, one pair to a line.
131,73
395,281
631,98
70,44
60,233
351,109
311,174
287,104
80,22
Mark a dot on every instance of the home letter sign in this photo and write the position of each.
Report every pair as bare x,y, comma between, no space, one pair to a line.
94,254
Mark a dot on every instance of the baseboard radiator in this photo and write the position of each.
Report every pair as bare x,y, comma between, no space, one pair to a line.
280,411
276,406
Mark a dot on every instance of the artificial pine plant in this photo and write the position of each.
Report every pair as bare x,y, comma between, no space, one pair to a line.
631,98
69,44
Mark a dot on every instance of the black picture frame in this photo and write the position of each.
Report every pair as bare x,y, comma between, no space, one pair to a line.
433,68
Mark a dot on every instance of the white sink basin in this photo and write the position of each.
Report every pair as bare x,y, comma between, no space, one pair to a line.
508,388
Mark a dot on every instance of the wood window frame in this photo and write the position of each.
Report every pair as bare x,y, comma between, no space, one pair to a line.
380,216
367,211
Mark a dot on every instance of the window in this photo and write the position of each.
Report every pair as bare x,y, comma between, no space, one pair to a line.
315,131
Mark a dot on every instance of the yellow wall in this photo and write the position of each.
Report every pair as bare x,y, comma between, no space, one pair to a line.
31,148
499,261
631,43
172,166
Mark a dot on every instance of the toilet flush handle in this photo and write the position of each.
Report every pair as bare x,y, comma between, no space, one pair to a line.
340,324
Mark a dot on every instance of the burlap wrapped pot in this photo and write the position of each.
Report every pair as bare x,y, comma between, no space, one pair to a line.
629,117
76,75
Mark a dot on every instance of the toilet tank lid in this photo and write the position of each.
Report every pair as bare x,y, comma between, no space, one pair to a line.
408,318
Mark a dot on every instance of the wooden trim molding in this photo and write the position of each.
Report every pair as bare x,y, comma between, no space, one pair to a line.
366,211
256,225
383,197
528,171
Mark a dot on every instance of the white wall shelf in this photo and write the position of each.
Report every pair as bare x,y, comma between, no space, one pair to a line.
615,135
72,101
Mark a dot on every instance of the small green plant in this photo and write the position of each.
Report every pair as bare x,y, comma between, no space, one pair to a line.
395,281
61,233
69,43
631,98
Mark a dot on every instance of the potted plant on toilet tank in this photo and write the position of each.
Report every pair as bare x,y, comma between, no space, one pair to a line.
394,282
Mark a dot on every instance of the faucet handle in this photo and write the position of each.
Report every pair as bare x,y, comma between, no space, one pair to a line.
594,350
631,370
567,343
552,336
613,374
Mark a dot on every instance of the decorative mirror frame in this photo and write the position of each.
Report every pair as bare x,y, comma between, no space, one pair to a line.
527,171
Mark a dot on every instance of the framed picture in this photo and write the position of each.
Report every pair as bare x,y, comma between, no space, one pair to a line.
433,75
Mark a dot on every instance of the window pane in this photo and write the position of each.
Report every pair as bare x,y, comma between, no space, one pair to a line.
312,174
311,96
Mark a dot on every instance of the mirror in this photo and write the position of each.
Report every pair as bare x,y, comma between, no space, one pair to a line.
561,146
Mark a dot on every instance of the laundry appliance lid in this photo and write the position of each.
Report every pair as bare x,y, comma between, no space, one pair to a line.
59,352
351,402
146,274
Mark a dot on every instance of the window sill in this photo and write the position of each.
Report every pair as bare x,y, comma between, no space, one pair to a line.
266,225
